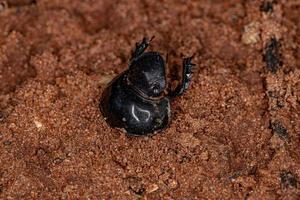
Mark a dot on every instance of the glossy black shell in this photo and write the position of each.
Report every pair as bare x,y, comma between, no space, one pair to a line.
147,74
124,107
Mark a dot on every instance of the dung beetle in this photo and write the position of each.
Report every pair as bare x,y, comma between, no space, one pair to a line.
136,100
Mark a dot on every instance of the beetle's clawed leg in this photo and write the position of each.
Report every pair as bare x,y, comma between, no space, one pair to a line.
141,47
186,77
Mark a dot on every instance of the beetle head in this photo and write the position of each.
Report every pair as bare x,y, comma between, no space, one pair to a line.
147,74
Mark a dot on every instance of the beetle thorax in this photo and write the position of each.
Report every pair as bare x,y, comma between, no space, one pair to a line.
147,74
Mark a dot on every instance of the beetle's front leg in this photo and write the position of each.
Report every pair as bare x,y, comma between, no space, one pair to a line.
141,47
186,77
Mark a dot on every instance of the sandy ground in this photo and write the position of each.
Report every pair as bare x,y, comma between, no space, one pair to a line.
235,133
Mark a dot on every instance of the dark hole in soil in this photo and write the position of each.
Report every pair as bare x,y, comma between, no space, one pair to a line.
267,6
20,3
288,180
279,129
272,56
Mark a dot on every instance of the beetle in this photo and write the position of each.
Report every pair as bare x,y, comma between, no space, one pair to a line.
136,99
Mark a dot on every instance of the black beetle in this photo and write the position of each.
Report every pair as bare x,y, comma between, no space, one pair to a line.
135,100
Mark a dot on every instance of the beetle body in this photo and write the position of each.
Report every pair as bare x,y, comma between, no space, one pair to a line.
135,100
124,107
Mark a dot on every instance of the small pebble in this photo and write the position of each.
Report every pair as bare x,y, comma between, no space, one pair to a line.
38,124
58,160
152,188
172,183
251,33
40,152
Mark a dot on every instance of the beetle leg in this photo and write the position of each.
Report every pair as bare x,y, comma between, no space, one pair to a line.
186,77
141,47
